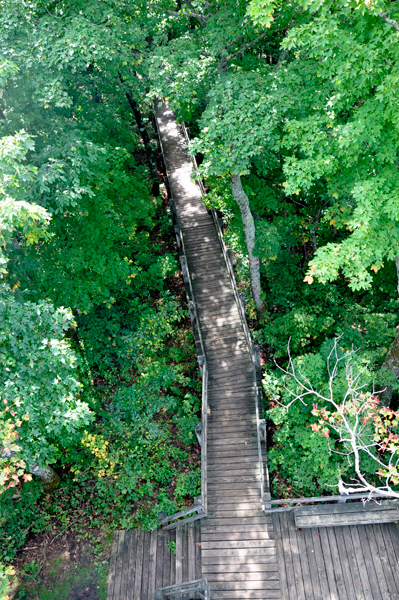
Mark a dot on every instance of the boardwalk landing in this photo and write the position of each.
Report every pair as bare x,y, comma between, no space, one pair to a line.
237,541
244,554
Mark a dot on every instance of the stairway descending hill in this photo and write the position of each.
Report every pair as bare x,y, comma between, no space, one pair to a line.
237,541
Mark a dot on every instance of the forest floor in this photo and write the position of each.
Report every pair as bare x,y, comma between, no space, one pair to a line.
74,567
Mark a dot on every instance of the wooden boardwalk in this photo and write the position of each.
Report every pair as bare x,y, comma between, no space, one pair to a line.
237,540
242,553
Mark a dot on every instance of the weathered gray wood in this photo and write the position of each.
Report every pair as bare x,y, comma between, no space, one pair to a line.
345,514
367,563
152,564
305,568
161,548
112,569
119,565
325,545
145,567
167,559
336,562
319,559
354,570
346,571
191,551
392,556
132,537
139,563
179,555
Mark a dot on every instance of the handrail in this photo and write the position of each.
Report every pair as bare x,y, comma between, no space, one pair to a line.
201,508
314,499
199,587
254,350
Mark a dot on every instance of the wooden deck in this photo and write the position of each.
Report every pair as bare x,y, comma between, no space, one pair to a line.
142,561
337,563
242,553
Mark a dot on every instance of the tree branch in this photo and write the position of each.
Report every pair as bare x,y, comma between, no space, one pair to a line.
246,46
388,20
200,18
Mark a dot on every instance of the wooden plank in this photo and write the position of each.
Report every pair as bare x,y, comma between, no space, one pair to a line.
172,538
191,552
167,557
139,563
319,559
295,557
351,558
179,554
152,564
267,529
132,536
369,533
242,553
392,556
245,585
232,476
234,535
325,545
161,543
233,521
314,572
112,567
361,565
197,546
349,507
229,563
341,519
145,569
234,564
185,552
119,564
360,539
307,581
125,567
349,587
336,563
243,544
244,595
249,576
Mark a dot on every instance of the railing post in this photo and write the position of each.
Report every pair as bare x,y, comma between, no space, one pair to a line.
243,301
184,268
201,362
229,253
262,430
198,433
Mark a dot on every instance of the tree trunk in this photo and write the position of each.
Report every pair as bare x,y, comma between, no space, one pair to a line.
47,475
391,362
146,140
249,230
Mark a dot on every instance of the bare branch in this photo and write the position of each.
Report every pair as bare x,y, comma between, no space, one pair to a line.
388,20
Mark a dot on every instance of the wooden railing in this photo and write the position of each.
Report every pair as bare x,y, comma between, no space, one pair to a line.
254,349
293,502
200,509
191,590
